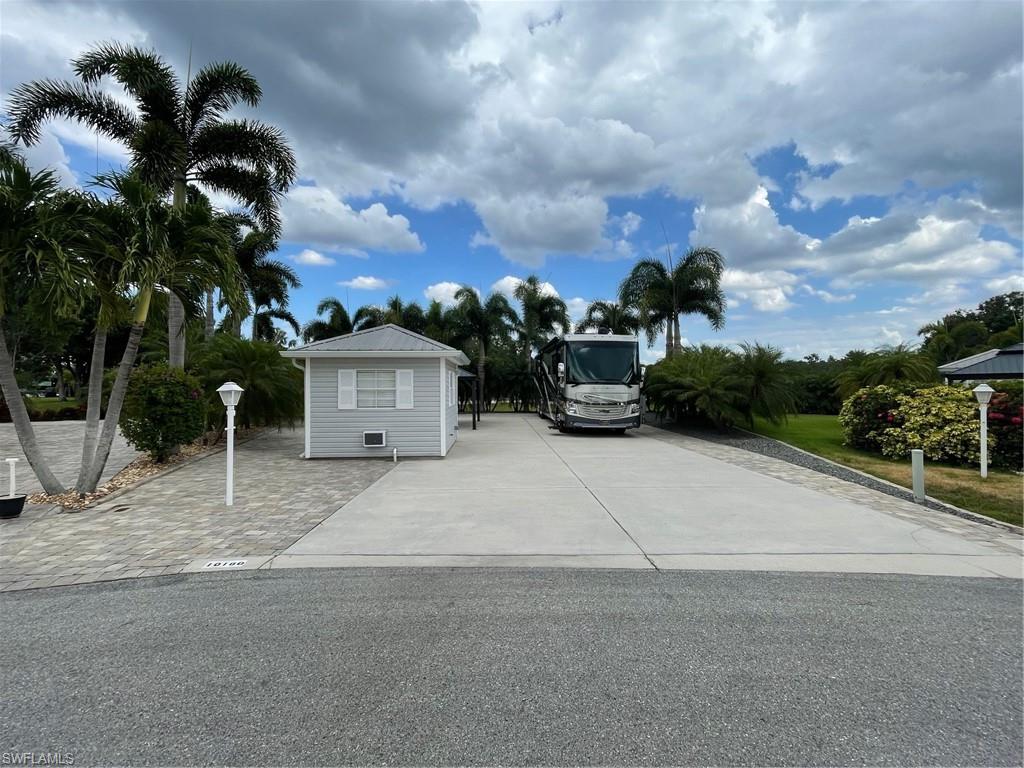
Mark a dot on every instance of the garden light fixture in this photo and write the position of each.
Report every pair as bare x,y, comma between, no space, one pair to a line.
984,394
230,393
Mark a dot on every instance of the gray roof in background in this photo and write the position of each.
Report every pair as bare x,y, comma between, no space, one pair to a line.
1008,363
386,338
963,362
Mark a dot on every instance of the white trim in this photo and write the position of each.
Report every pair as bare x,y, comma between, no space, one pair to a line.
305,406
443,434
308,397
456,354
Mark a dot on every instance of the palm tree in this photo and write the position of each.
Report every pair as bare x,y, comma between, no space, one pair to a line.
698,382
768,389
543,314
369,316
336,324
33,230
483,322
438,322
691,286
616,317
409,316
176,135
887,366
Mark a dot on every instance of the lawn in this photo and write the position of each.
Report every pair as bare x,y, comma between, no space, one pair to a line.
49,403
1001,495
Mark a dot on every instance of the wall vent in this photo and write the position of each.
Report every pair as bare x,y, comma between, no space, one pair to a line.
375,439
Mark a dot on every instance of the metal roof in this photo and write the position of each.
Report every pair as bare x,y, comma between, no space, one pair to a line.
385,338
963,362
1007,363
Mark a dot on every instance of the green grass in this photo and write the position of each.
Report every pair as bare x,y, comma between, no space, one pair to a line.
49,403
1000,496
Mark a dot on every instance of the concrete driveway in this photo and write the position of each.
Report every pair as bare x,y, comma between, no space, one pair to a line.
517,493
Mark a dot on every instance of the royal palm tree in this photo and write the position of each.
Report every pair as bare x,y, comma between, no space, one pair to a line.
337,323
616,317
482,322
543,314
34,229
176,135
690,286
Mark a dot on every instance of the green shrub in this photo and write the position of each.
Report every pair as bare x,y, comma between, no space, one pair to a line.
1006,424
273,386
942,421
163,409
867,413
697,384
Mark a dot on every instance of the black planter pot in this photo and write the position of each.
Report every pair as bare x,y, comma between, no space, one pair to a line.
11,506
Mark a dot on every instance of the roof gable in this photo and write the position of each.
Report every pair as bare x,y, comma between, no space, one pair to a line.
384,338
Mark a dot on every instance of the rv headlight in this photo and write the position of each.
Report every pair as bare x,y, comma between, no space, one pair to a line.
634,409
571,408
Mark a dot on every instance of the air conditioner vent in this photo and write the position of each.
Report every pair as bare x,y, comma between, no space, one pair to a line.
375,439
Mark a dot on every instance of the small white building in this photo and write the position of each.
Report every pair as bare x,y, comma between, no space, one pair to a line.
371,392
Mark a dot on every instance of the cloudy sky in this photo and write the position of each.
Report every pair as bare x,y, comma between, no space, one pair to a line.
858,164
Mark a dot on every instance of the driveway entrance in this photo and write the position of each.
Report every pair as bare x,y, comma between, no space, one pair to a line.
517,493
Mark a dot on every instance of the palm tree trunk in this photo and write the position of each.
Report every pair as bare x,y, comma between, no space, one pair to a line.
22,423
669,347
95,405
175,309
113,415
678,338
210,319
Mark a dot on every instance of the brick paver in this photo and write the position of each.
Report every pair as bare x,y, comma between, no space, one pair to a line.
61,444
163,525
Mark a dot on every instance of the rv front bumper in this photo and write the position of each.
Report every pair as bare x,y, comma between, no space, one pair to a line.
583,422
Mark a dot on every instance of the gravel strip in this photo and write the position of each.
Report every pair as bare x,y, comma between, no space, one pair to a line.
767,446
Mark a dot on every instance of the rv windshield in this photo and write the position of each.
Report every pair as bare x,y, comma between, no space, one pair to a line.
607,362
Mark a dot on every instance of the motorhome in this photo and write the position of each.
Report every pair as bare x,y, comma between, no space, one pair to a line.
590,381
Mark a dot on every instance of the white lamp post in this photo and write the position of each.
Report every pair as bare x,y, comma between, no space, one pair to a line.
230,393
984,394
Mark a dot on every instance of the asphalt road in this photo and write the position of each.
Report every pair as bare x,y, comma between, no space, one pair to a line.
397,666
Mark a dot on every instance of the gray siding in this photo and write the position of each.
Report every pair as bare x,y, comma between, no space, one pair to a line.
414,432
451,416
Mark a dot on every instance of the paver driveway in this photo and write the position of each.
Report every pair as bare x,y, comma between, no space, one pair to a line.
517,493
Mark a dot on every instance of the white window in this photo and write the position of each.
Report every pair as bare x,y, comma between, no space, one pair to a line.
375,388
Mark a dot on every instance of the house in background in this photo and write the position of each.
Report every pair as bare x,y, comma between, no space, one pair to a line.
1006,363
372,392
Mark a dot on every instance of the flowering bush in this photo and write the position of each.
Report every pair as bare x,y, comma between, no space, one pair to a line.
942,421
867,413
1006,425
163,408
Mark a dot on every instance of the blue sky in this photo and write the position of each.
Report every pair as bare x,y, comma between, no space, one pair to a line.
858,183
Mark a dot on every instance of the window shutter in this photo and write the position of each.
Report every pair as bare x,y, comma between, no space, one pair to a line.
346,389
403,389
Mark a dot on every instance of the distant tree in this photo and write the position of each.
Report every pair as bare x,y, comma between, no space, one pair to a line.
482,322
369,316
439,324
337,323
889,365
615,317
542,315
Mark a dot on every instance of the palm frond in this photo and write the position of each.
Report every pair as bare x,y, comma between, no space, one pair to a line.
252,144
32,104
143,74
215,89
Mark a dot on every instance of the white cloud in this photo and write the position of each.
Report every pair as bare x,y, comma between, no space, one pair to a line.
767,291
1006,284
312,258
316,215
827,296
628,223
366,283
577,307
508,284
443,292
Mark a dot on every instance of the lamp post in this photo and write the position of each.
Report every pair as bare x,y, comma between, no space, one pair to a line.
230,393
984,394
